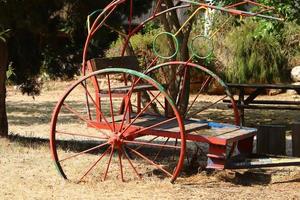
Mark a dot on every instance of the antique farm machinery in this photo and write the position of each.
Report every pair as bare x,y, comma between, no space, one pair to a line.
132,124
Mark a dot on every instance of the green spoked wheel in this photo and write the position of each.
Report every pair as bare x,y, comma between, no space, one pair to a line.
205,91
102,129
198,94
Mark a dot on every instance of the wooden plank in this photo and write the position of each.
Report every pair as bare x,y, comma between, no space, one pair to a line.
125,89
264,86
271,140
172,126
272,107
128,62
148,120
262,162
296,139
272,102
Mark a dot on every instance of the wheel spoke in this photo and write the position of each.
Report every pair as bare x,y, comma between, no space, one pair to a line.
87,102
157,99
161,150
155,125
150,161
94,164
139,114
134,169
207,81
151,144
83,152
109,161
111,104
120,163
206,107
88,93
147,142
129,93
82,135
81,117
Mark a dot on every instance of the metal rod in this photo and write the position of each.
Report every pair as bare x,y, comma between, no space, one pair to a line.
232,11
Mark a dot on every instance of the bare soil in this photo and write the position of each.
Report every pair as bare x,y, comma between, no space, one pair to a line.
27,171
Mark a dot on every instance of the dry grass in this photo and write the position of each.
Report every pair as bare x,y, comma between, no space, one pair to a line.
27,171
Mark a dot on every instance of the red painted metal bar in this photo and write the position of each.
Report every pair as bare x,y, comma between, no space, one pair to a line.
120,163
140,26
147,142
156,100
80,117
250,2
111,104
94,164
83,152
94,28
232,11
150,144
98,109
139,114
150,161
131,164
127,104
82,135
201,89
156,7
109,161
161,149
206,107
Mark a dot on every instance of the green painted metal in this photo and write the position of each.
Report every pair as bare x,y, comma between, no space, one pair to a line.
174,39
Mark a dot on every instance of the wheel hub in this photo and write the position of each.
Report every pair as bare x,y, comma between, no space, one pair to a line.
115,140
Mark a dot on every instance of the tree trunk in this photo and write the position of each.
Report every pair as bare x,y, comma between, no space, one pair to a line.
171,24
3,68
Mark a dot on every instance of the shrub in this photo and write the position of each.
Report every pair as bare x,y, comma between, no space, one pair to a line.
256,55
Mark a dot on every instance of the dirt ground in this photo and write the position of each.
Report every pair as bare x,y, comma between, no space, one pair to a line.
27,171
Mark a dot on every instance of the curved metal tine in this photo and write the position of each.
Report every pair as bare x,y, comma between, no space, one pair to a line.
97,107
150,161
94,164
83,152
69,108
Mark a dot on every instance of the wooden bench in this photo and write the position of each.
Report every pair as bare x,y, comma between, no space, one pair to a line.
218,136
258,89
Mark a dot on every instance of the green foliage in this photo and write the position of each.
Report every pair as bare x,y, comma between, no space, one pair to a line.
256,55
4,34
10,71
141,43
290,42
47,35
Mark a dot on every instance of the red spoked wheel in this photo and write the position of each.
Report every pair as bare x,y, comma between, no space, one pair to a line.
94,134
